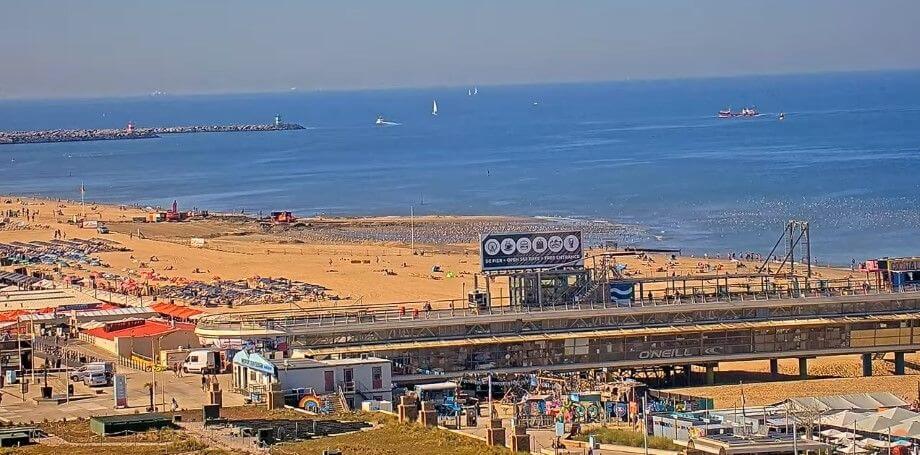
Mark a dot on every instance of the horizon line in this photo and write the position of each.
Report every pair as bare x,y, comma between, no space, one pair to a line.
244,92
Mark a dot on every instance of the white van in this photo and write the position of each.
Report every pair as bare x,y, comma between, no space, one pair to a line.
106,368
202,361
96,379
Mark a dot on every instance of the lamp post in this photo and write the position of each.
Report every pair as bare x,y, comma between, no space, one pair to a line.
153,370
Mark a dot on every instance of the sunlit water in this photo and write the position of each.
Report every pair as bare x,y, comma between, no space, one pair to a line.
846,158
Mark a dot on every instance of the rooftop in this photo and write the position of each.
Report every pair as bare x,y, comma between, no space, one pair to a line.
851,402
143,329
312,363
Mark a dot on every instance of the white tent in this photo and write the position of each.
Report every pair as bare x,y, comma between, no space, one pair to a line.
851,449
877,443
875,424
847,435
832,433
908,429
899,414
842,419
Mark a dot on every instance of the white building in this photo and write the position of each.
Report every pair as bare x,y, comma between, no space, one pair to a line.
358,379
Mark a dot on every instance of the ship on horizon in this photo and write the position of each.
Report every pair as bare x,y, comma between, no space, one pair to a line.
745,112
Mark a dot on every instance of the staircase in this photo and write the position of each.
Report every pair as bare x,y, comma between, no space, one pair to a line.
339,402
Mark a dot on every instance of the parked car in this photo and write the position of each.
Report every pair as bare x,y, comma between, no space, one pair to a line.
96,379
102,229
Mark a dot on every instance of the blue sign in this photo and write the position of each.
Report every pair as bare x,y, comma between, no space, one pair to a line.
253,361
622,292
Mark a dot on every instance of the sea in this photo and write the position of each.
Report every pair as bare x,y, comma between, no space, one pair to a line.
649,154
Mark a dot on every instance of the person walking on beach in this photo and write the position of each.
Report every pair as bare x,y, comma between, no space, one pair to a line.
175,404
204,381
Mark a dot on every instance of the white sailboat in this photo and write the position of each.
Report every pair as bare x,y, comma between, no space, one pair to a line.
475,90
469,92
434,107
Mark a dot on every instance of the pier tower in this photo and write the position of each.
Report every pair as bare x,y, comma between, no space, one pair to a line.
278,121
130,128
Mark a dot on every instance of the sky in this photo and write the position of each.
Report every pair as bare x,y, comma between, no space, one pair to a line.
88,48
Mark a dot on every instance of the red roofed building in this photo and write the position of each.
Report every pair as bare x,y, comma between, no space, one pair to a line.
176,312
130,337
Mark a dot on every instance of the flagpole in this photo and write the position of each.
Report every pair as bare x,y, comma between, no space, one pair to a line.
83,199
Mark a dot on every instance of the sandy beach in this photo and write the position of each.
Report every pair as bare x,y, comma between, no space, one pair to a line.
359,259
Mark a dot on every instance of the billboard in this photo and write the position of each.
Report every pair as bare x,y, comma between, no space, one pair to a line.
622,293
121,391
531,250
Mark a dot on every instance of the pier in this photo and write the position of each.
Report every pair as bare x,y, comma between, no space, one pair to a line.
130,132
644,335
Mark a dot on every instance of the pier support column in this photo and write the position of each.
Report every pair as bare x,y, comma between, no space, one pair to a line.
774,368
867,364
899,363
710,373
668,376
803,367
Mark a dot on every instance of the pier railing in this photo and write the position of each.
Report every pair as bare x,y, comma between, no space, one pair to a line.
444,310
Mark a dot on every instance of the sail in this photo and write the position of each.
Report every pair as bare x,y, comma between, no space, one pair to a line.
475,90
434,107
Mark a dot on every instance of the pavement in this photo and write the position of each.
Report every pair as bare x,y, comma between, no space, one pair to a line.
94,401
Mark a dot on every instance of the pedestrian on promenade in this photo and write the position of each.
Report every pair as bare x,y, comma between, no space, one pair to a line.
204,381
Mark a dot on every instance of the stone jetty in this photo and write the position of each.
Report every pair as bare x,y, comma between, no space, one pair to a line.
34,137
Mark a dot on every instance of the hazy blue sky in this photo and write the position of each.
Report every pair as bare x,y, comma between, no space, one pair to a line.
108,47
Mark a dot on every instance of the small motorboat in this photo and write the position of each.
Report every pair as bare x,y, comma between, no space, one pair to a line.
726,113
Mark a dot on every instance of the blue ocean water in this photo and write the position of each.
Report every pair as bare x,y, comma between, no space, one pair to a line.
846,158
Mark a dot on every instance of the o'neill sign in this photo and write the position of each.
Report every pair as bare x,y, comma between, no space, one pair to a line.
533,250
676,353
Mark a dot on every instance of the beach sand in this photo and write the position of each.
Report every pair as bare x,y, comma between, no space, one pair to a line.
332,252
838,375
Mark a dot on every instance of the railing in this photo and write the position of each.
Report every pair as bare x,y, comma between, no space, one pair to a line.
326,318
112,297
343,403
